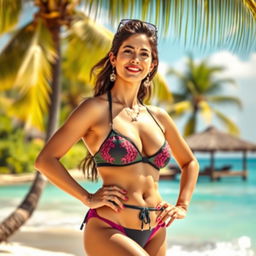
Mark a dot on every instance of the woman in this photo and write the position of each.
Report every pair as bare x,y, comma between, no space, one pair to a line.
128,144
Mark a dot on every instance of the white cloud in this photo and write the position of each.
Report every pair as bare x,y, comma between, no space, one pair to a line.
235,67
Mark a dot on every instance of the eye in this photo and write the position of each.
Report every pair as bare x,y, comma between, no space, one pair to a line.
145,54
127,51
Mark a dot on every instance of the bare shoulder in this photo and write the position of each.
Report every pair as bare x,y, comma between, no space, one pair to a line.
89,110
161,114
78,123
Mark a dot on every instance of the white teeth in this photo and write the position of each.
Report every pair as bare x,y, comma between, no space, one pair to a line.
133,69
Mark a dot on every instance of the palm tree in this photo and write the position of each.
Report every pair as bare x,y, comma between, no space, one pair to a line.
198,86
30,63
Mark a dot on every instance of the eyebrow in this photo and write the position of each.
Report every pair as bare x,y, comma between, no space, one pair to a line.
130,46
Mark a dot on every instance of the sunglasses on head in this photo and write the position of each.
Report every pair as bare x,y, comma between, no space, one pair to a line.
151,26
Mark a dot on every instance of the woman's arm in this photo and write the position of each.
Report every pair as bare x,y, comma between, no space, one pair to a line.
47,162
183,155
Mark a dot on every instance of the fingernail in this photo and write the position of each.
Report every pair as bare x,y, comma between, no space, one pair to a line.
126,198
158,207
124,191
157,219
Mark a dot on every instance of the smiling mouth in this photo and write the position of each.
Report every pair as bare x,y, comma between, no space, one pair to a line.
133,70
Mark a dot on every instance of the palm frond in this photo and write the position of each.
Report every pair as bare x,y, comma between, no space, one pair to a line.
180,108
251,5
216,85
231,126
178,97
190,126
33,78
13,54
161,91
225,100
86,43
207,24
205,111
9,14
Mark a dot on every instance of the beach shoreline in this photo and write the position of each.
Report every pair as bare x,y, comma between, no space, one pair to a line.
15,179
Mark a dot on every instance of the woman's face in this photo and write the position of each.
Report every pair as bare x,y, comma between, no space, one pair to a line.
134,59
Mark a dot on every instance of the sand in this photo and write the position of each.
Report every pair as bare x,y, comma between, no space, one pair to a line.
59,242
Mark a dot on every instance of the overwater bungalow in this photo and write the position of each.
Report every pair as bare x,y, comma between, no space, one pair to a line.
212,140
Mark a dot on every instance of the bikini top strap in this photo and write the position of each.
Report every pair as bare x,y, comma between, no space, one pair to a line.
110,107
153,117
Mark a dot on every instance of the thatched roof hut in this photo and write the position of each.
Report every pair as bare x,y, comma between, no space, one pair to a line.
212,140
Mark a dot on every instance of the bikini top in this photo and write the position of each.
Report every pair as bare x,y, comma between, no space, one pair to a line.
119,150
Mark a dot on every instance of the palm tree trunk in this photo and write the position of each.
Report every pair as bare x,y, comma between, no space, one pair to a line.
23,212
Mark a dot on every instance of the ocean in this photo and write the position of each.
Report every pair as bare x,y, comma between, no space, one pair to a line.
220,220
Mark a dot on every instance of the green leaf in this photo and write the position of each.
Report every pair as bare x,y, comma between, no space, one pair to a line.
86,43
9,14
180,108
190,126
161,90
33,78
225,100
231,126
205,111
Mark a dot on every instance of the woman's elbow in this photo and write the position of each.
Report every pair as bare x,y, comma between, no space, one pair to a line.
39,162
196,165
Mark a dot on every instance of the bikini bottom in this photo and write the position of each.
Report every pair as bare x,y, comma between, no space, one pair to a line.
142,237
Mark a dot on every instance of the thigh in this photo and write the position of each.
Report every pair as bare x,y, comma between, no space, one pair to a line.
100,239
157,245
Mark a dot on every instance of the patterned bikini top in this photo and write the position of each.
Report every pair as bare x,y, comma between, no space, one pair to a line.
119,150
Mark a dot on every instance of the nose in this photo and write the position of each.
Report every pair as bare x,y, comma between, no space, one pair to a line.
135,59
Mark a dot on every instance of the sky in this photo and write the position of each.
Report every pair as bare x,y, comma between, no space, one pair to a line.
240,68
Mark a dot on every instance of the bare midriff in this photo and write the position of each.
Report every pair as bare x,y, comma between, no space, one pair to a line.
141,183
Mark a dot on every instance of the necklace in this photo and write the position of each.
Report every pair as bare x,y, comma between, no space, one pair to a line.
133,113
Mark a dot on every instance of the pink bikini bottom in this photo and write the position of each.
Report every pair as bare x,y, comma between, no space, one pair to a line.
142,237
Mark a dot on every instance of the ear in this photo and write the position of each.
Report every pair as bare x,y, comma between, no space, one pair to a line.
153,64
112,58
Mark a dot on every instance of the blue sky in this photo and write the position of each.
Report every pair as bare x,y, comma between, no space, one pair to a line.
240,68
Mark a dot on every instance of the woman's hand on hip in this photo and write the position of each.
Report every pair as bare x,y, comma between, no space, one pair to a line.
170,212
110,196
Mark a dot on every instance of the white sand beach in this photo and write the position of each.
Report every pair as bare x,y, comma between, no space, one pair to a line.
59,242
15,249
66,242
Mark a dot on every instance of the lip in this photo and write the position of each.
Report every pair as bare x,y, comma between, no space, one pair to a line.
133,67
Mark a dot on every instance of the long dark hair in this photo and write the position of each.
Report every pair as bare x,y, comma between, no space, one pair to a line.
104,68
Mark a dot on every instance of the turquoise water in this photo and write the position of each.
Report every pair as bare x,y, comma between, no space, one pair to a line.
219,211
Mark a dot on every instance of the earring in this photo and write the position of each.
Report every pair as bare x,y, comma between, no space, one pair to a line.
147,82
112,76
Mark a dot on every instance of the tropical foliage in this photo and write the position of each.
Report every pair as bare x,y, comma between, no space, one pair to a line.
197,96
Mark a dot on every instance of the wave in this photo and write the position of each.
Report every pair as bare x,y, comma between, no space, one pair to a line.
241,246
